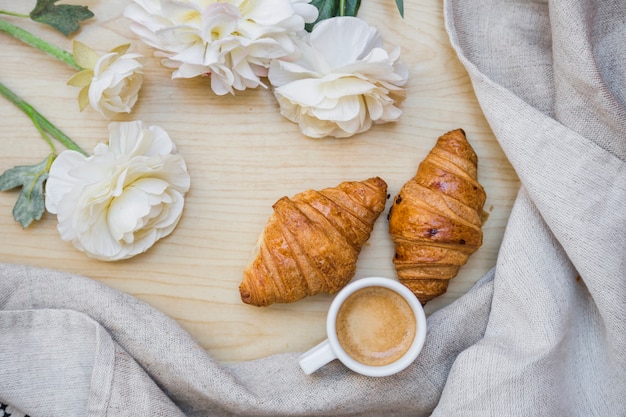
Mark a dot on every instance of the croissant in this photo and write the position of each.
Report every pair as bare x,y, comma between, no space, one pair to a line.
311,242
435,220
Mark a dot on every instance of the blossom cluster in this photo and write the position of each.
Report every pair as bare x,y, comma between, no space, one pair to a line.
335,81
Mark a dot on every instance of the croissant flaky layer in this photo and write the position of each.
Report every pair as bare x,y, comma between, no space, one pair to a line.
435,220
311,242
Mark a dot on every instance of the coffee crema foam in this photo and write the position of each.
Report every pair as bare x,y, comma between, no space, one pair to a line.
376,326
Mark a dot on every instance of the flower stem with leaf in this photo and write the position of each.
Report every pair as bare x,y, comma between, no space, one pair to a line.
31,178
333,8
65,18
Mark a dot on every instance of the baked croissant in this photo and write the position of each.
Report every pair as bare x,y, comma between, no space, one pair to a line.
435,221
311,242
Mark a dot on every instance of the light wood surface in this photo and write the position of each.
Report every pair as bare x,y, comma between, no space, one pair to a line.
243,156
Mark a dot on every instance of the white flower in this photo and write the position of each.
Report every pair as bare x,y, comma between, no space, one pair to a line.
116,83
111,82
233,41
118,202
343,81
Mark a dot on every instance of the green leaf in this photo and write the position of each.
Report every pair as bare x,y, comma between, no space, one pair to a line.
326,8
400,4
352,7
332,8
65,18
30,202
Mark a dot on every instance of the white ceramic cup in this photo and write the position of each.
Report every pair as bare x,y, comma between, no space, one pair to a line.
331,348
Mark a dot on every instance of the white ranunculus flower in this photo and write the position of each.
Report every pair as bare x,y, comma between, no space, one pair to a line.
111,82
343,81
119,201
232,41
116,83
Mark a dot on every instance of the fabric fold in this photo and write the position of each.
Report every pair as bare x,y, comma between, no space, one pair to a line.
158,369
551,342
46,355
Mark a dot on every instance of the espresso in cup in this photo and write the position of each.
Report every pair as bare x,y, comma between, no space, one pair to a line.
375,326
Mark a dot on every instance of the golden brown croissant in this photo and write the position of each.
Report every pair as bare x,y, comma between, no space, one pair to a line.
435,220
311,242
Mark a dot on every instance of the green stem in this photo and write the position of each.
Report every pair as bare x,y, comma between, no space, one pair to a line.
44,135
57,133
41,123
8,13
342,7
39,43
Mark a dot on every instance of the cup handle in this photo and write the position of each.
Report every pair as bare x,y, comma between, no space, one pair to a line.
317,357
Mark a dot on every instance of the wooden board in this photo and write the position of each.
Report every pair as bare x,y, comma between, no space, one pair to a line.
243,156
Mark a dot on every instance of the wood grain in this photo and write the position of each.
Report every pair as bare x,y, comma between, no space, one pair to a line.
243,156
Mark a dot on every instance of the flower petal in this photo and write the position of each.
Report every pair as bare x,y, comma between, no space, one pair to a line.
60,182
307,11
357,39
126,211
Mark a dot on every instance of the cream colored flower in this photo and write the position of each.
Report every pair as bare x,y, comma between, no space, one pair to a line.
232,41
343,81
118,202
111,82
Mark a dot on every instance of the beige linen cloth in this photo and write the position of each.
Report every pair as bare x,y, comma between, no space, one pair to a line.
543,334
